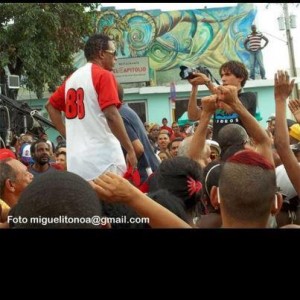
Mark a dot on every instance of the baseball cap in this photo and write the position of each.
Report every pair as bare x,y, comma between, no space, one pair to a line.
26,155
295,131
271,118
289,122
214,144
6,153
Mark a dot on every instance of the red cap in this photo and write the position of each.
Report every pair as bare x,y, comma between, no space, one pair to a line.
6,153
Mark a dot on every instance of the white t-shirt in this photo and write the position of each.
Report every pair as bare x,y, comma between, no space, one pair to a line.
284,183
92,147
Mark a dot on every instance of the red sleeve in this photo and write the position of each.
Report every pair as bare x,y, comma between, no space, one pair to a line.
57,99
106,87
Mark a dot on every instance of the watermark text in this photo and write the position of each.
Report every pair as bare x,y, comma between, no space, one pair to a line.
95,220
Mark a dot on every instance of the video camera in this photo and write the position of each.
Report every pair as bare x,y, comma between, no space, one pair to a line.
187,72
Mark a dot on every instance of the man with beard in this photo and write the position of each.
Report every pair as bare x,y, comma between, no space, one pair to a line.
40,152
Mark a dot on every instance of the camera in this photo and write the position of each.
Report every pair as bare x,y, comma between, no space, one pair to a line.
187,72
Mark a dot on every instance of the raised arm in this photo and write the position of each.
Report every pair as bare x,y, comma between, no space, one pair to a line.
194,112
229,95
283,88
208,105
114,188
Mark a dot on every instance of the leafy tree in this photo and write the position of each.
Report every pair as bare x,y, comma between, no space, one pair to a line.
38,40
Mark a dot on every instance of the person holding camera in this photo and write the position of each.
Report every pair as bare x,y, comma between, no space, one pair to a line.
233,73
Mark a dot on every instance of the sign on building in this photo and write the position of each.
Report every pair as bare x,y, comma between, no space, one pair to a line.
135,69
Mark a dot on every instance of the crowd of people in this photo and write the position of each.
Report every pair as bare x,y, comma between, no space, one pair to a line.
224,171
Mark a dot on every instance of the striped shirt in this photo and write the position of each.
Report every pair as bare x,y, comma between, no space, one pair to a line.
255,41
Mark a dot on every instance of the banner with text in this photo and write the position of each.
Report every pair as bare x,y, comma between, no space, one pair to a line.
135,69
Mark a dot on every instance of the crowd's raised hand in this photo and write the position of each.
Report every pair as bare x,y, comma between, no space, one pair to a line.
282,90
282,86
294,106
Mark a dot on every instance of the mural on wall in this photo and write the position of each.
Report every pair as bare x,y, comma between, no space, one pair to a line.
208,37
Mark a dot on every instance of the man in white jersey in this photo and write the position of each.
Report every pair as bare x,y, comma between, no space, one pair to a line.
93,126
253,45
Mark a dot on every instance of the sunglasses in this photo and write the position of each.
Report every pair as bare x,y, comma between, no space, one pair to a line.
114,53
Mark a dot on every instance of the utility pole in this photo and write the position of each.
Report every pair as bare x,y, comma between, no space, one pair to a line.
287,25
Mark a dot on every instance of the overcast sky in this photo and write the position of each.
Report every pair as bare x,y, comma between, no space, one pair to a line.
275,54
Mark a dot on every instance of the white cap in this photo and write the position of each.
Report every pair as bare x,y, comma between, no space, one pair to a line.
214,144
